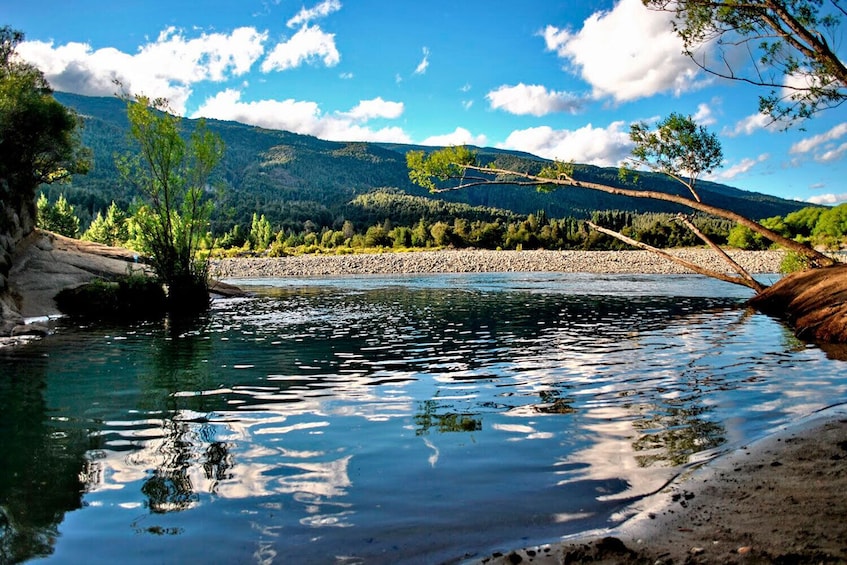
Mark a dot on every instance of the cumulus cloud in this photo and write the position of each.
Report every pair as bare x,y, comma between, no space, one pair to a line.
743,166
704,115
828,199
424,64
460,136
376,108
816,142
165,68
309,45
645,57
304,117
832,155
305,16
750,125
597,146
534,100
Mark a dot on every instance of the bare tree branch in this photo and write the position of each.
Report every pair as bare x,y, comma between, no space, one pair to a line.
673,258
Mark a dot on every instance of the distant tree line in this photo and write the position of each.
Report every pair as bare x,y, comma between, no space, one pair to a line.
819,226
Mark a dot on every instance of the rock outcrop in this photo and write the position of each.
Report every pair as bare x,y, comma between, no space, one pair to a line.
44,263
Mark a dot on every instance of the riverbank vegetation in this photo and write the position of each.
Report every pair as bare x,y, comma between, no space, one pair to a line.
451,225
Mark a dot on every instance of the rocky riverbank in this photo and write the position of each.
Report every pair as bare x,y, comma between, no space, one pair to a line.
481,261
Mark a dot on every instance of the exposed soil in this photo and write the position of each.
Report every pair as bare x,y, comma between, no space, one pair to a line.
781,500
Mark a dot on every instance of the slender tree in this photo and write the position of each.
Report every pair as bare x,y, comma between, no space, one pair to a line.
172,174
786,46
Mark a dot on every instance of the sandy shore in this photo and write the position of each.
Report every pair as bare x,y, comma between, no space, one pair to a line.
782,499
480,261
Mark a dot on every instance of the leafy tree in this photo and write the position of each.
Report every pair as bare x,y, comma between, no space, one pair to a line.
678,148
233,238
111,229
420,234
831,227
261,233
402,236
803,221
59,217
441,234
38,136
377,236
784,45
700,152
172,174
742,237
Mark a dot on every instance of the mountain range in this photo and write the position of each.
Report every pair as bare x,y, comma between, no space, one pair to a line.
293,178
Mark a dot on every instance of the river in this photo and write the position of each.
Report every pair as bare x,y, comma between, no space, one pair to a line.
386,419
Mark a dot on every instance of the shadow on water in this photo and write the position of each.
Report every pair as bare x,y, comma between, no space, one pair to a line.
40,462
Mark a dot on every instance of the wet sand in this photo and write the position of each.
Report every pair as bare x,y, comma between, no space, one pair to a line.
782,499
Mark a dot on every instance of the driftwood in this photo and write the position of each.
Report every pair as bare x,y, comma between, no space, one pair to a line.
813,302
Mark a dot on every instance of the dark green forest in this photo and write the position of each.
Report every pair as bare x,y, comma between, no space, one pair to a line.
302,184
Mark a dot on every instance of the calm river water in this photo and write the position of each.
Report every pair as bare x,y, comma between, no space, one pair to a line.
386,419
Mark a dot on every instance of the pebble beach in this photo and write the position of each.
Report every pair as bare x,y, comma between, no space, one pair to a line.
481,261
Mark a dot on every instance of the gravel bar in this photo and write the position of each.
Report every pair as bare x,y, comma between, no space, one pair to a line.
484,261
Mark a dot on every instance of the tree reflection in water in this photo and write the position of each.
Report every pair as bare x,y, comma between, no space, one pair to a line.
428,417
40,463
672,437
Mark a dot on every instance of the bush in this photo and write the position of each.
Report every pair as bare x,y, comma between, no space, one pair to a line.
132,297
793,263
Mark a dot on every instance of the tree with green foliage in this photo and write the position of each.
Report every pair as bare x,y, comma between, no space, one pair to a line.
678,148
682,150
802,222
111,229
831,227
59,217
261,233
786,46
172,174
38,136
742,237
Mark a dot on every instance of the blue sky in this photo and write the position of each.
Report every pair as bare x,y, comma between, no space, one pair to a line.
561,80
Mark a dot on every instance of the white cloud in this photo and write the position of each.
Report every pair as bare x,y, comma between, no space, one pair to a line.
376,108
743,166
303,117
597,146
460,136
704,115
534,99
424,64
828,199
165,68
305,16
810,144
627,53
750,125
308,45
832,155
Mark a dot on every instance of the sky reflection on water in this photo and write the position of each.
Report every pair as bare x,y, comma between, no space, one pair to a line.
388,419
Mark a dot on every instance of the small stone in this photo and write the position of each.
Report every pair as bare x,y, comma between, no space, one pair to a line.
697,551
30,329
744,550
44,244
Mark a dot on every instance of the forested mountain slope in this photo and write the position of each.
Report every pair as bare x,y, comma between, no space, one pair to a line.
294,178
